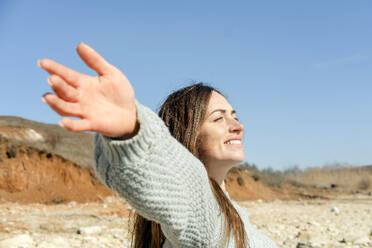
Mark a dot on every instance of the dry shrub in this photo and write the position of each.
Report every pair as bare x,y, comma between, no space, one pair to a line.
332,175
272,177
269,176
256,178
364,183
11,151
347,177
240,180
57,200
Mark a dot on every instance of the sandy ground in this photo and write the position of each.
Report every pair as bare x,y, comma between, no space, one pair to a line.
48,201
342,222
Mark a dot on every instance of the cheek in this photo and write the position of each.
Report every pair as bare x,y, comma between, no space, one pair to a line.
210,146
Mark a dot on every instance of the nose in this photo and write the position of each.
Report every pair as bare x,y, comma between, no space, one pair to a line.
236,126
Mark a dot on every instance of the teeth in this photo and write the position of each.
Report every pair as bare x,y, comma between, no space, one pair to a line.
234,142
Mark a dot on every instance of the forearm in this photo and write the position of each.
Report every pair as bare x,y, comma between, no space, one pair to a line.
159,177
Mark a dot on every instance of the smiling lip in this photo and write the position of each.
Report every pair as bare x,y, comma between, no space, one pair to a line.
233,142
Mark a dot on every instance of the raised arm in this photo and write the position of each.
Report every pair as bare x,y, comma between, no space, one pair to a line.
162,180
156,174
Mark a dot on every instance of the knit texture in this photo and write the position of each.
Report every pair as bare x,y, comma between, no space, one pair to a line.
165,183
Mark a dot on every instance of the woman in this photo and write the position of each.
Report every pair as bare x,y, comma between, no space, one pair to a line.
173,182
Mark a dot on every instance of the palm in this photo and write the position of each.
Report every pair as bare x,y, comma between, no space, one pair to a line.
104,104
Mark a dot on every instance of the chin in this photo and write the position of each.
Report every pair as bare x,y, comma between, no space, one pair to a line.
236,159
239,160
235,156
239,157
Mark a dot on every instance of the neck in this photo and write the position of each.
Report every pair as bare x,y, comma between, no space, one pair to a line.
218,172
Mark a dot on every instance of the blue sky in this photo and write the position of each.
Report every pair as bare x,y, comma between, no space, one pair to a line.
299,73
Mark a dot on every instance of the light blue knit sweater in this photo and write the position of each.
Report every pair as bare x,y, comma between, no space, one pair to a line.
165,183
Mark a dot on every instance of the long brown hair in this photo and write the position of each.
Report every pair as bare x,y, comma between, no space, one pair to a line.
183,112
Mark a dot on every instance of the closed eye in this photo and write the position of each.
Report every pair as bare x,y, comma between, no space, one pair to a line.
220,118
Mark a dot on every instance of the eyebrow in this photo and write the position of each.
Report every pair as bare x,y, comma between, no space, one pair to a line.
222,111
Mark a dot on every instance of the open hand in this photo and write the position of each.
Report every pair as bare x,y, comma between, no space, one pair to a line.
103,103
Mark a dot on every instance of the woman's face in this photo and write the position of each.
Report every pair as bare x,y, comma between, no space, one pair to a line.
221,134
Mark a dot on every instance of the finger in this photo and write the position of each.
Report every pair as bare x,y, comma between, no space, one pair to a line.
60,106
62,88
70,76
93,59
75,125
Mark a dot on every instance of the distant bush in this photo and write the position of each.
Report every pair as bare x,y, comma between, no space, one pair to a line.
271,177
57,200
295,183
333,176
240,180
29,151
11,151
250,167
364,183
256,178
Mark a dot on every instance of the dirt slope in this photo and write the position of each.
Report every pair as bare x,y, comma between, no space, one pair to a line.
31,175
76,147
44,163
244,186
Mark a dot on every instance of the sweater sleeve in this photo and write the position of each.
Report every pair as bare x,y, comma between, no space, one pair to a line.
161,180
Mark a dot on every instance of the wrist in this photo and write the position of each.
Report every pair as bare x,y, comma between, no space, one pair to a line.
128,135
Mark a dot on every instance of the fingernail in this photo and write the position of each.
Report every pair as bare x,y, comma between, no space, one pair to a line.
80,43
42,98
49,82
38,63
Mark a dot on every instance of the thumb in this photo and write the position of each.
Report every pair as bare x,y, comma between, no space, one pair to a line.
93,59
